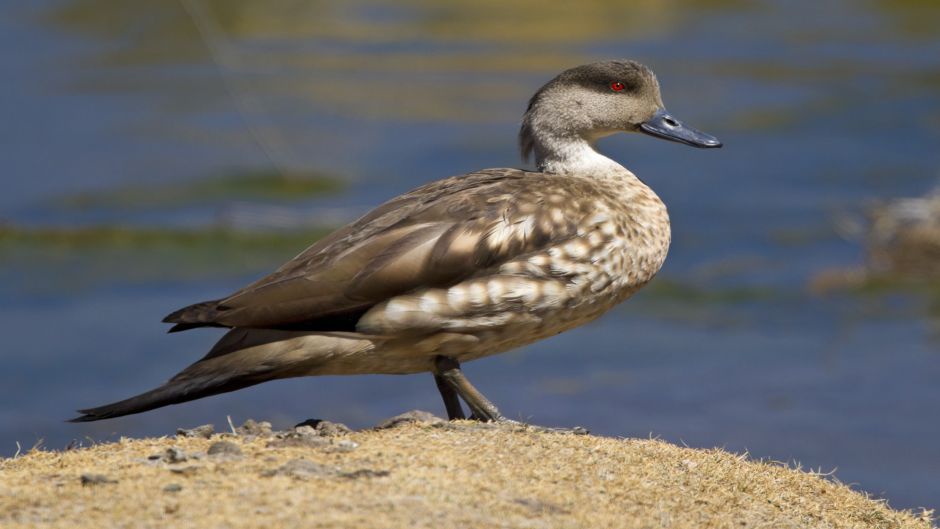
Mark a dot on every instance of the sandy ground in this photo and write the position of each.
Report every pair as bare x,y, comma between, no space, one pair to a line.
420,474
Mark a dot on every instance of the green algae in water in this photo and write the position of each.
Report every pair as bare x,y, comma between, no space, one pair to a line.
241,185
56,259
664,289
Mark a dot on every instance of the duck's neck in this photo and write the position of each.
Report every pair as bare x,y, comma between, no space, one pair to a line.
571,154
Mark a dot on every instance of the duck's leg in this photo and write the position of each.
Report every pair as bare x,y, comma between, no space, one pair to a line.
447,373
452,383
451,401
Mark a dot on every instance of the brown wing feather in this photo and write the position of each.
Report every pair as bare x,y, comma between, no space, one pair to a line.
435,235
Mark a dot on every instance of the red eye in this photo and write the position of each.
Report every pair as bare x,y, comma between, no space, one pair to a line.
616,86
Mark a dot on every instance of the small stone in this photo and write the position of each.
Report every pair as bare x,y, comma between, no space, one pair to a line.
332,429
326,428
260,429
96,479
225,448
174,455
187,471
302,469
409,417
205,431
173,487
302,436
305,431
365,473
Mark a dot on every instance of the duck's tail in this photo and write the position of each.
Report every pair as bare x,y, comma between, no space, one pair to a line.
173,392
242,358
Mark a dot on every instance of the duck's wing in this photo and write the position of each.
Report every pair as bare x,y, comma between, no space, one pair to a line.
435,236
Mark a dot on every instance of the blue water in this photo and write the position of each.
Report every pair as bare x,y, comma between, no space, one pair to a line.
823,107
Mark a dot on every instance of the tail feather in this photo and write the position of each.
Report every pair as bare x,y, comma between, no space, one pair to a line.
241,358
173,392
202,314
179,327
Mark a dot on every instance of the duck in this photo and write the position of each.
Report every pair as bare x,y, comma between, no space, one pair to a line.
460,268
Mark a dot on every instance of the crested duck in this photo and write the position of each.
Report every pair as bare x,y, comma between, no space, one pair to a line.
460,268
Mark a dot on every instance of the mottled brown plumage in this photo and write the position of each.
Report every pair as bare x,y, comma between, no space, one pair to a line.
460,268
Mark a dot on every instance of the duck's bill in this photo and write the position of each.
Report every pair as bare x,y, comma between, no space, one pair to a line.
663,125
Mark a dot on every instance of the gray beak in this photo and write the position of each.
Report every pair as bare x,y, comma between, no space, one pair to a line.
663,125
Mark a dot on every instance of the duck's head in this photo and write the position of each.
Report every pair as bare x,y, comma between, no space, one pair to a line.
595,100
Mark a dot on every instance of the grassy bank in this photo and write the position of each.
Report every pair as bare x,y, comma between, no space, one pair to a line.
427,474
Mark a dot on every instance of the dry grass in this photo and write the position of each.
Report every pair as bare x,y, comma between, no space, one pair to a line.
444,475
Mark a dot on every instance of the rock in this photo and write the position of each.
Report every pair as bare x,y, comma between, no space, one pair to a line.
332,429
903,238
305,431
365,473
408,418
174,455
205,431
189,470
312,423
224,449
260,429
96,479
326,428
303,436
302,469
173,487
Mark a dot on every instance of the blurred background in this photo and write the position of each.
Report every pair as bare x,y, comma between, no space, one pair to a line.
157,153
